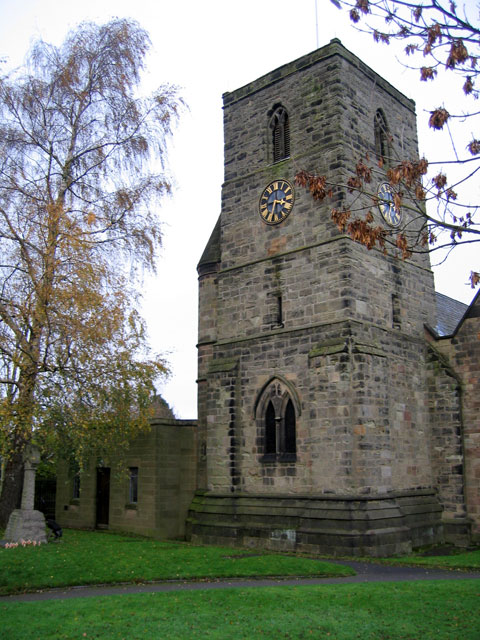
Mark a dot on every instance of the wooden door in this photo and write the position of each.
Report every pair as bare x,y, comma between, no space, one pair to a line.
103,497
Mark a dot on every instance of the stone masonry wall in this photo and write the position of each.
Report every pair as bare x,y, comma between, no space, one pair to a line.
462,352
350,341
361,425
166,462
72,512
445,406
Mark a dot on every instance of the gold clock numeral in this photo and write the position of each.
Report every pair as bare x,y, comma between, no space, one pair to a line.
271,216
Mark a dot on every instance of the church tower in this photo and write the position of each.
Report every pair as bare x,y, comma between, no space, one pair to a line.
313,416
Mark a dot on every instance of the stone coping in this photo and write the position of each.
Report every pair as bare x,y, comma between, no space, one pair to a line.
320,496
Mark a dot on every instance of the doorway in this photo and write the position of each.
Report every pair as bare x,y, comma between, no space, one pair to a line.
103,497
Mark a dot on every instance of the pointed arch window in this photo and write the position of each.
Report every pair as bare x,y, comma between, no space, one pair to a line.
276,420
280,134
270,444
382,137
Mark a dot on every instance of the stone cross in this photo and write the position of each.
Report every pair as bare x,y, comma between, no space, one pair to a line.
31,460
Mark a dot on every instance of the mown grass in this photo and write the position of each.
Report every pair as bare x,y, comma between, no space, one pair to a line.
90,557
467,560
437,610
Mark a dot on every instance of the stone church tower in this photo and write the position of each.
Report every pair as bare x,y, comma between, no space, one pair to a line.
315,377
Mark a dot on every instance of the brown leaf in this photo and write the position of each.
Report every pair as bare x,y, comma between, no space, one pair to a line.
438,118
315,184
440,181
364,6
340,218
402,244
363,171
423,166
458,54
434,33
419,192
354,16
474,147
354,184
427,73
468,86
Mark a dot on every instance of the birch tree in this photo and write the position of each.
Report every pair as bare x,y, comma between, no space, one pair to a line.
78,225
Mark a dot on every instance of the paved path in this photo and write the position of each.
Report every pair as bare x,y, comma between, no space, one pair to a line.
366,572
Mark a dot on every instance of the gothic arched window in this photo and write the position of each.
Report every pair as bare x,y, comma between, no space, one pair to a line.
270,442
280,131
382,137
276,420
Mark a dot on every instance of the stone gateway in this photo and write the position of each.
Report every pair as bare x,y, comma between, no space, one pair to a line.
338,406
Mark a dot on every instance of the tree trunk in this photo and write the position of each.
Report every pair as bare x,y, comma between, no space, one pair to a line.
11,495
11,488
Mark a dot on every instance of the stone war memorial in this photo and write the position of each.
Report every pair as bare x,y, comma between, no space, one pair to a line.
338,393
27,523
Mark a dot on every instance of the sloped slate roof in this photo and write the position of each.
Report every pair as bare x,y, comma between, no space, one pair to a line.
161,408
449,314
212,252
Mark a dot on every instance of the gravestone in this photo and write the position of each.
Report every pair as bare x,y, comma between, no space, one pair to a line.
27,523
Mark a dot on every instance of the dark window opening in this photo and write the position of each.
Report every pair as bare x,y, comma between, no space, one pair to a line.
396,312
279,430
270,430
382,137
133,486
290,435
279,322
280,128
76,487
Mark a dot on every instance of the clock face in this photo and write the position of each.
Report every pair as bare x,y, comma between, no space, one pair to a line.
276,202
386,203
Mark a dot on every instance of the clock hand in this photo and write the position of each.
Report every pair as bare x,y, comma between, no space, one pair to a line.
273,208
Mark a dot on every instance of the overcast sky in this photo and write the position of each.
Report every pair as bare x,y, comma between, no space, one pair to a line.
208,48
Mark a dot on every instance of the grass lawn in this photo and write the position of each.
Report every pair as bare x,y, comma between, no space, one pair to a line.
91,557
426,610
466,560
392,611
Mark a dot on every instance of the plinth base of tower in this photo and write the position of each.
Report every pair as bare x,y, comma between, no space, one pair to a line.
458,531
381,525
24,525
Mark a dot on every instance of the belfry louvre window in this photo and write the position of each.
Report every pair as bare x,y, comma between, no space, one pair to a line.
280,131
276,419
382,137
